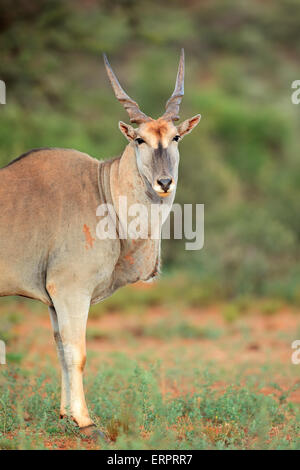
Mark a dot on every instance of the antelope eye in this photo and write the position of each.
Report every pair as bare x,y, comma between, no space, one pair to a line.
176,138
139,141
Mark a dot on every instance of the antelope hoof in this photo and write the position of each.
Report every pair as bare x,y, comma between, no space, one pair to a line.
92,432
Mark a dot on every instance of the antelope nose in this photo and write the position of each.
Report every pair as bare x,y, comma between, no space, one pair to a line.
165,183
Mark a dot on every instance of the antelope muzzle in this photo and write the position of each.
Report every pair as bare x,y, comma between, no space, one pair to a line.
164,186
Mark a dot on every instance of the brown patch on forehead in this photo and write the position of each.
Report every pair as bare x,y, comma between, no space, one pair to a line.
159,127
156,131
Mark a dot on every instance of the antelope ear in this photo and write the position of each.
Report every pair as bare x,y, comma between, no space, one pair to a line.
127,130
187,126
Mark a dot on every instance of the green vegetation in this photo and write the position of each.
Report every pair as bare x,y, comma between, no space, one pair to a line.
128,403
166,292
160,376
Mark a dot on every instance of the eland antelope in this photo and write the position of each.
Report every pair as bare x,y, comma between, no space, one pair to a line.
49,249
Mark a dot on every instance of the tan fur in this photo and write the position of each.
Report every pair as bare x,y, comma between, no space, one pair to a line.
48,245
156,131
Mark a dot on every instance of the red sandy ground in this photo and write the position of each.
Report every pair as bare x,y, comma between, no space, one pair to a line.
268,340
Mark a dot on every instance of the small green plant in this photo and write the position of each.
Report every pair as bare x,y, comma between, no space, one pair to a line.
231,312
270,306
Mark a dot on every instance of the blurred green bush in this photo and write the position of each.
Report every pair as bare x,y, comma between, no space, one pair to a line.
241,162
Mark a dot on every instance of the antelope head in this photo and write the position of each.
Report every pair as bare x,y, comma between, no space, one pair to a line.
155,141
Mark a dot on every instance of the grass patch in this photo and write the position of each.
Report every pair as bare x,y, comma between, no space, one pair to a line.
127,401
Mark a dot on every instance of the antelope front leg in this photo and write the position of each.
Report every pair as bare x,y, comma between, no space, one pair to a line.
70,317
